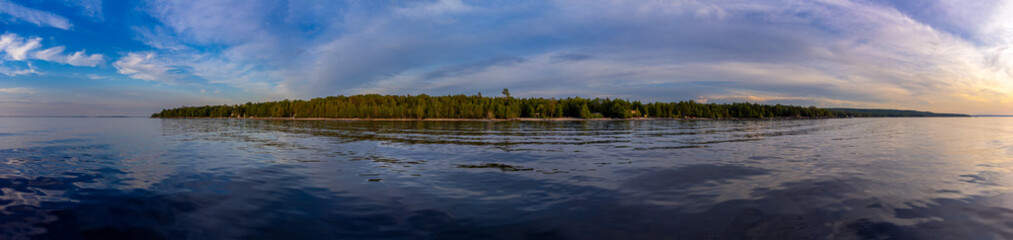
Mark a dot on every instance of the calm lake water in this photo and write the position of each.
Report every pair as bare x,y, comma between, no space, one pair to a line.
108,178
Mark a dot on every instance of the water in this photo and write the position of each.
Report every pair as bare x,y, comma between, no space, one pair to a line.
87,178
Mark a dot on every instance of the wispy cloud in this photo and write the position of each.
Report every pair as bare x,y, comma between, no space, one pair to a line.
17,48
79,58
16,90
36,17
90,8
11,72
144,66
193,69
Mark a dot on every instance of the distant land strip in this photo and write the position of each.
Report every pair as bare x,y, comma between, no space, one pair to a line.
477,107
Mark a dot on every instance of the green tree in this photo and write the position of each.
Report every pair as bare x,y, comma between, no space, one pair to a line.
585,112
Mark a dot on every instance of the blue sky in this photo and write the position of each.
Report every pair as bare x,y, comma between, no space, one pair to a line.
94,57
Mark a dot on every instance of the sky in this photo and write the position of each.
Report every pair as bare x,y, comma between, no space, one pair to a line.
134,58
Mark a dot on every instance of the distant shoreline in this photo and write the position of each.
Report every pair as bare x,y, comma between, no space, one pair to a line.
440,119
565,119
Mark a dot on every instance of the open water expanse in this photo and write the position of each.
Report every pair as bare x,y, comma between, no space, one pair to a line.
138,178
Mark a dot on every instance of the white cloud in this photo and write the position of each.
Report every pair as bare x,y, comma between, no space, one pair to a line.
193,70
79,58
49,54
18,48
11,72
37,17
143,66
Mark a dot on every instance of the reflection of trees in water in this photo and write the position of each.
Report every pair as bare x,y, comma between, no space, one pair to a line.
499,133
389,143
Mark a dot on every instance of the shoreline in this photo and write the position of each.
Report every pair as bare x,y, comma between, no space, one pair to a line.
422,119
481,119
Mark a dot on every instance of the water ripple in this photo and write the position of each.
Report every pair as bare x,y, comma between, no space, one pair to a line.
241,179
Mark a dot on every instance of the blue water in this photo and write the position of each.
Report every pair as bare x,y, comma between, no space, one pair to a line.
138,178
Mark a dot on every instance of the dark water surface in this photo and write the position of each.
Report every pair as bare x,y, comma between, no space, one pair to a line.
907,178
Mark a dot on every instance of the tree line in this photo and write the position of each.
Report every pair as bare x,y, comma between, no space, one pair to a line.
506,107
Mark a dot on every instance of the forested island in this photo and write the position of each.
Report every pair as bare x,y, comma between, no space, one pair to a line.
375,106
